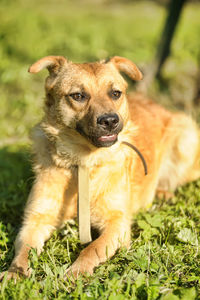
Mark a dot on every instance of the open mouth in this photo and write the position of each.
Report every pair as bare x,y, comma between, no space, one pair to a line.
105,140
100,141
108,138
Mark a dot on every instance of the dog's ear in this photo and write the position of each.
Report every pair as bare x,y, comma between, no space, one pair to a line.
127,66
52,63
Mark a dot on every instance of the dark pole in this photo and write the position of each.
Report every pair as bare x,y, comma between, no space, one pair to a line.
164,45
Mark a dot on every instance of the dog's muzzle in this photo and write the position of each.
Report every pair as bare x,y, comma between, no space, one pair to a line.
108,125
105,132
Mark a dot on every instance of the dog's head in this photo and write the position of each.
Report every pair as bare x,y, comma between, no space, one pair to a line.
89,98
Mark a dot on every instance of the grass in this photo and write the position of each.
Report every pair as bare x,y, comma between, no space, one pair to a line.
163,261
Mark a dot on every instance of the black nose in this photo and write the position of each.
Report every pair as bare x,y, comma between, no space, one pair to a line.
108,121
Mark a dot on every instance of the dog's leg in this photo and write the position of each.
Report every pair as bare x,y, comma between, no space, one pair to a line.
115,234
43,214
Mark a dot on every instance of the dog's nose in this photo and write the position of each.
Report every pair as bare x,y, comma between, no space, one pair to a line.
108,121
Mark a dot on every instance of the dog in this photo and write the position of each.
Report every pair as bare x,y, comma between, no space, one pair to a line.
89,121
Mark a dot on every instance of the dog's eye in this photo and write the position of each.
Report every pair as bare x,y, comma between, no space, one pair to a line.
115,95
78,96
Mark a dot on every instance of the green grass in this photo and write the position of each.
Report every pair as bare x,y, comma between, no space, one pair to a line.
163,261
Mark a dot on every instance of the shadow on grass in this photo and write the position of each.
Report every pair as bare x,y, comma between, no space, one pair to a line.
15,183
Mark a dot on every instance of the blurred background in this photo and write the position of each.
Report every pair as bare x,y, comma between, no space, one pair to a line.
162,37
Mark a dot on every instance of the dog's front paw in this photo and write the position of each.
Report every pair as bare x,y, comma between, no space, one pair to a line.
10,275
15,273
79,267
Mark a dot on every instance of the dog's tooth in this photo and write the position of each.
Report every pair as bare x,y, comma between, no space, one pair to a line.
105,138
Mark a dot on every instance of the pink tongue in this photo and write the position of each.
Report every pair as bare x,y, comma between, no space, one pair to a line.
107,138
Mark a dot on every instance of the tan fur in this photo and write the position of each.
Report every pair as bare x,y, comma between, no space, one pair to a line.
168,141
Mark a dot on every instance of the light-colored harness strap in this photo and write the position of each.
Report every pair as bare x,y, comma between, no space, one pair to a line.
84,205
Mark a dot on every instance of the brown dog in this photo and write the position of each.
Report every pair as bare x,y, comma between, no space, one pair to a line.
87,117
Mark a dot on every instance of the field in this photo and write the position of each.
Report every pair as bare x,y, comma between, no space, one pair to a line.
164,259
